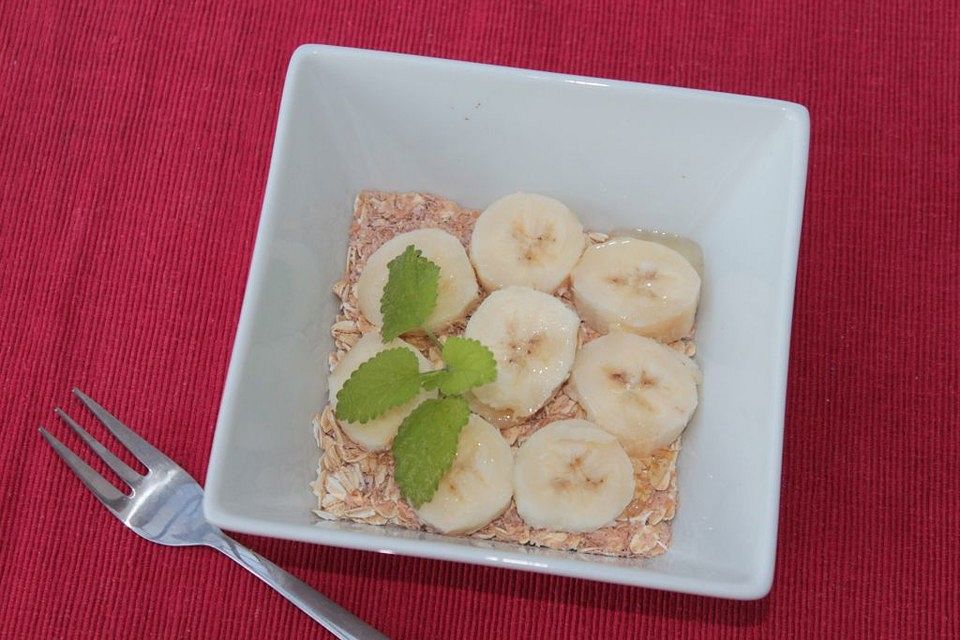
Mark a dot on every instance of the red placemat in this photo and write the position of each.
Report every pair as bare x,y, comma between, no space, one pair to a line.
134,145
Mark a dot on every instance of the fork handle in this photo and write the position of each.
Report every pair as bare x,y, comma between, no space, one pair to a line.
328,613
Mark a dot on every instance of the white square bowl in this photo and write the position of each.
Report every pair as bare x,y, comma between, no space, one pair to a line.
728,171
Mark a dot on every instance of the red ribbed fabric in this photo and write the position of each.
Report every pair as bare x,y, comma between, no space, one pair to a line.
134,146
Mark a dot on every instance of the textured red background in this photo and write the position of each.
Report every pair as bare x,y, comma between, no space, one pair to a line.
134,145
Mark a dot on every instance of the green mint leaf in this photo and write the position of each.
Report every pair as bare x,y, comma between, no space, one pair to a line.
468,364
387,380
410,294
426,445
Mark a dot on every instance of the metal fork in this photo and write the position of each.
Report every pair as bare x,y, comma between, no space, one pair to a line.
165,507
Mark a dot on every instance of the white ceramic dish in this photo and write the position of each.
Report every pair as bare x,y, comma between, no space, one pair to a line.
728,171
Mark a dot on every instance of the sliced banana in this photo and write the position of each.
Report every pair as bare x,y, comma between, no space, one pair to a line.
458,285
638,389
533,337
637,285
377,434
478,486
572,476
528,240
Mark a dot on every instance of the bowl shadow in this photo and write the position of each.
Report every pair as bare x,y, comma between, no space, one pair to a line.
318,564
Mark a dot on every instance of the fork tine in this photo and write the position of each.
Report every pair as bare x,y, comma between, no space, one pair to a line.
150,456
119,466
103,490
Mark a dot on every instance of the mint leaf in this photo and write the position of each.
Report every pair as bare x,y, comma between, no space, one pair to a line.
468,364
387,380
410,294
426,445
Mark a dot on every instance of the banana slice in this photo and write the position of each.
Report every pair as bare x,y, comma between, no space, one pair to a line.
458,285
478,486
533,337
528,240
637,285
377,434
572,476
641,391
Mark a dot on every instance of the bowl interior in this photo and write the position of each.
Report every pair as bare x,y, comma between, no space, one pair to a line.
727,171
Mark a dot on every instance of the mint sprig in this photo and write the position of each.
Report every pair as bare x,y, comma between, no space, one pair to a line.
426,442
